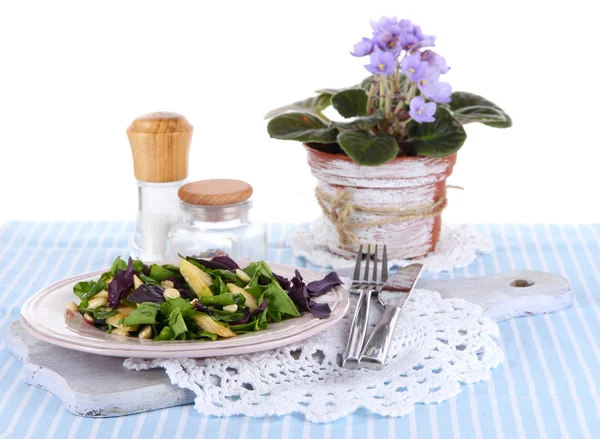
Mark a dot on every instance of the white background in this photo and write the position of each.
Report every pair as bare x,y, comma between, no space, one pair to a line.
74,75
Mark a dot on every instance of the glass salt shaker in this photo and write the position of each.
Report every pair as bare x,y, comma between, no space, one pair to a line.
216,222
160,144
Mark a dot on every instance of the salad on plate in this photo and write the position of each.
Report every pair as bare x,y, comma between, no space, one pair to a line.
199,299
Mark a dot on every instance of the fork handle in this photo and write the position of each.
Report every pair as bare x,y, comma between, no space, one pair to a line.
358,330
375,353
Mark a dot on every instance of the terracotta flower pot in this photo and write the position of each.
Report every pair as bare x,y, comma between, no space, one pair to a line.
403,197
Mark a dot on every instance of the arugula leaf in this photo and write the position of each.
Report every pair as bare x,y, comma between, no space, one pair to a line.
257,291
148,280
255,325
224,316
176,322
222,300
102,313
80,288
138,266
161,273
187,309
218,286
257,269
165,334
98,286
118,264
144,314
204,334
279,303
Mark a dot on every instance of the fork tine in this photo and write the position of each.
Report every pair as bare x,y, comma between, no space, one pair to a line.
375,265
357,265
384,265
368,261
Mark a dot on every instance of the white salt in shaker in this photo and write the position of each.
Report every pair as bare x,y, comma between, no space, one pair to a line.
160,144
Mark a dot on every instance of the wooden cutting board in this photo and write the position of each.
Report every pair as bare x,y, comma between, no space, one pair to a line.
96,386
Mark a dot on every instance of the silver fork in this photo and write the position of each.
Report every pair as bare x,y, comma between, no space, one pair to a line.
360,321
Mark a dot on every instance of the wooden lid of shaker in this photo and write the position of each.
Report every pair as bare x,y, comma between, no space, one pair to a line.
160,144
220,192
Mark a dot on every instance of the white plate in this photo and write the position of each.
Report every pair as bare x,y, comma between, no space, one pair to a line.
43,315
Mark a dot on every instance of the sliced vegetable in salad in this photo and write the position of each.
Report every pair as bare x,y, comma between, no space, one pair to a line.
197,300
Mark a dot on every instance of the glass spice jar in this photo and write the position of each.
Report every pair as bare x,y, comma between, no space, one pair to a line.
160,144
216,222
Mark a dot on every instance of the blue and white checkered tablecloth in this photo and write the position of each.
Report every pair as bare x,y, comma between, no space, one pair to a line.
547,387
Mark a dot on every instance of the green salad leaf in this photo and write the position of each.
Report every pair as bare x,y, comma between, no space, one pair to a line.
144,314
80,288
161,273
202,318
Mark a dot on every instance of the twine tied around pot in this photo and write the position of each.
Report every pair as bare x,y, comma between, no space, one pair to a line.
341,211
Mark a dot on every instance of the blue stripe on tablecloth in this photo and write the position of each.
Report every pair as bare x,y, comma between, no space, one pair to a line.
548,385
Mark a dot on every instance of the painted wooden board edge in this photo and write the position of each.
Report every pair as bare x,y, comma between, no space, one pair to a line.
156,394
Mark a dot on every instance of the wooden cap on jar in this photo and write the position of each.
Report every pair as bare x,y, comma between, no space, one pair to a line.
219,192
160,144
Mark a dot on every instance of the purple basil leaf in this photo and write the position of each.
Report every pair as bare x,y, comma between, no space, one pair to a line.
319,310
242,320
219,263
146,270
299,294
283,282
147,293
186,293
247,318
323,286
202,308
120,284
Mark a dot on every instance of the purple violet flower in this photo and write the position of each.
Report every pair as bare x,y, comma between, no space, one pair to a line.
422,111
405,24
429,83
385,34
435,60
407,39
413,67
383,23
382,63
443,93
364,47
423,40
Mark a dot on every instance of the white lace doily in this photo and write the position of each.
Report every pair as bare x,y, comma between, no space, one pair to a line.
438,345
458,247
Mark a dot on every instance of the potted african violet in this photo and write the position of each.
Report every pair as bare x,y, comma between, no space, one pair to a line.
382,170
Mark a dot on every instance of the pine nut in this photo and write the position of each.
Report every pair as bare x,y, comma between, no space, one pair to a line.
119,331
171,293
230,308
146,332
242,275
167,284
72,306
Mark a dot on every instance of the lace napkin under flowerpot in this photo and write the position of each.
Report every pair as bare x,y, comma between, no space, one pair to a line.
458,247
398,203
438,344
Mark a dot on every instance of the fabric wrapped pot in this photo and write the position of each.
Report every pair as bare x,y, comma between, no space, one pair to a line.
398,204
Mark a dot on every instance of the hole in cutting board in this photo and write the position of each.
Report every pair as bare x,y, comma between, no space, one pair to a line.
521,283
